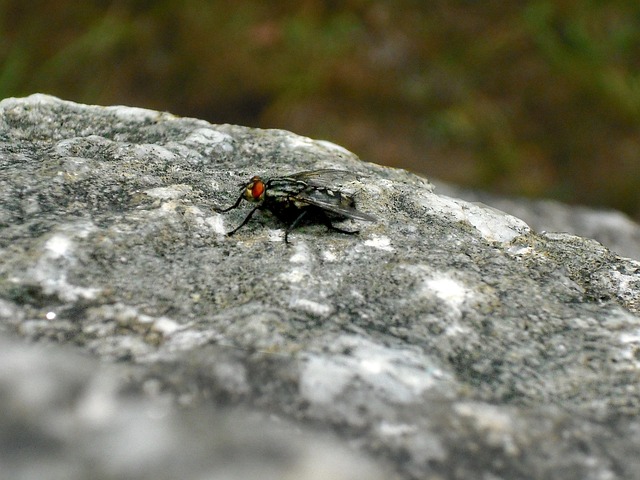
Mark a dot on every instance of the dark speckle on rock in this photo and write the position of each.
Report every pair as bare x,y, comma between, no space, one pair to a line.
446,340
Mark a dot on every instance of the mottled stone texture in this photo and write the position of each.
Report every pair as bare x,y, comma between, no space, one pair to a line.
446,340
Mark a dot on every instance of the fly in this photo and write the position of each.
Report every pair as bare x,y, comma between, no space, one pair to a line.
302,197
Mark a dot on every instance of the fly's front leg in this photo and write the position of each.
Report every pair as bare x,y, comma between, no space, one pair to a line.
235,205
244,222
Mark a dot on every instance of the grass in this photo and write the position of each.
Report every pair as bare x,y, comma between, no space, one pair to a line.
537,98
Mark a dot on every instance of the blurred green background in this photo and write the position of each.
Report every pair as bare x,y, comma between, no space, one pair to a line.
536,98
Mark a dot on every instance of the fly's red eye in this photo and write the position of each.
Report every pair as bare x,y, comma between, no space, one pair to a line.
257,189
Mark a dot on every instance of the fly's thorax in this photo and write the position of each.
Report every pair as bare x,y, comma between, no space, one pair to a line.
284,188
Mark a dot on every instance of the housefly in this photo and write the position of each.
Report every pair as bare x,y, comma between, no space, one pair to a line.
304,197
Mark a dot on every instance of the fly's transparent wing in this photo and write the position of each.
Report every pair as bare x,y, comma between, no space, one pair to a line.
333,201
325,177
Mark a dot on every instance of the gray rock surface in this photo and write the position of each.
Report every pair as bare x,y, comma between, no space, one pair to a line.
447,340
612,228
65,416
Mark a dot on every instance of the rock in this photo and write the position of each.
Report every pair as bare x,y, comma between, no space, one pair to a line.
65,416
613,229
447,340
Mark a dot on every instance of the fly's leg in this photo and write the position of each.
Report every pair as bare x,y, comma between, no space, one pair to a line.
293,225
235,205
244,222
327,221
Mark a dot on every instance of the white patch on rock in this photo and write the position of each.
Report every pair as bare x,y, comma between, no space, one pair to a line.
520,250
495,425
294,141
448,290
301,260
295,275
168,207
171,192
196,216
58,246
494,225
301,254
217,224
379,242
311,306
58,254
329,256
387,429
323,379
165,326
624,281
633,337
55,283
44,99
208,137
305,293
627,284
630,341
396,374
135,114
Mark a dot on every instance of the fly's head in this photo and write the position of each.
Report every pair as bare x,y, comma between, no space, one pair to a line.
254,190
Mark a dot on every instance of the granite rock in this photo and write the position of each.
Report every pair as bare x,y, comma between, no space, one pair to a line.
446,340
66,416
612,228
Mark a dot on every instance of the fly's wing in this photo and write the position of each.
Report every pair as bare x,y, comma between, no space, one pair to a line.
333,201
325,177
